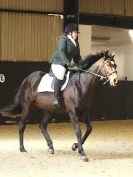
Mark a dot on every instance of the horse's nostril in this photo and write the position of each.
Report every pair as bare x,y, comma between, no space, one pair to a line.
115,81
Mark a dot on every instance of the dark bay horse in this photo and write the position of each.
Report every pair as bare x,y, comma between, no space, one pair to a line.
76,98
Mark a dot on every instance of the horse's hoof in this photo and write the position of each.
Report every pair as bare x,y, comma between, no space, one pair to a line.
84,158
51,151
22,150
74,146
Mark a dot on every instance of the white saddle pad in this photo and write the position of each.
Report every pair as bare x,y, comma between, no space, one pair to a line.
46,81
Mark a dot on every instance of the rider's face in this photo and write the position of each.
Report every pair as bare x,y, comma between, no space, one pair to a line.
74,35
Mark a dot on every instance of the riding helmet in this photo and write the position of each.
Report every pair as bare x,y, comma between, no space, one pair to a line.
70,28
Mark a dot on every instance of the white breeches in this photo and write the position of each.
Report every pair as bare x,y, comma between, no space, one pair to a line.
58,70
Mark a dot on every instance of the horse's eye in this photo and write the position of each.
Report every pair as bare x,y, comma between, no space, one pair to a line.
107,63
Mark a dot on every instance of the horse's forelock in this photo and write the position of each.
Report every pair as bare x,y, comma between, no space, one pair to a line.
110,57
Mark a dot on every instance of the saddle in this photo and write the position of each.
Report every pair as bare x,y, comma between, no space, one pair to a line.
47,82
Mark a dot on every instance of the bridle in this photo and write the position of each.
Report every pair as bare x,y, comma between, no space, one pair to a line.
106,78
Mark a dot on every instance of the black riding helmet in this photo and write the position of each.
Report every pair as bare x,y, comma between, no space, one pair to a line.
70,28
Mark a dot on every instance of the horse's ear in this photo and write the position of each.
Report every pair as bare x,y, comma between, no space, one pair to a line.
113,54
106,53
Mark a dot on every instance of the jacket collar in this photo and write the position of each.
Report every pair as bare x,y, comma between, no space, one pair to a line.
73,41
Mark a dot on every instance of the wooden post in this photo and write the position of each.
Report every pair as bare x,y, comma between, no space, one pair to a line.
71,11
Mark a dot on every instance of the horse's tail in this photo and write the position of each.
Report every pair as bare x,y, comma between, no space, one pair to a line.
13,110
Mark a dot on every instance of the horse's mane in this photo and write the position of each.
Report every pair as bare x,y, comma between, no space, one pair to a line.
86,63
90,59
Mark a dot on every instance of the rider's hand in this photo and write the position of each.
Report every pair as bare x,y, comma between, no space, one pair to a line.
74,68
71,65
66,66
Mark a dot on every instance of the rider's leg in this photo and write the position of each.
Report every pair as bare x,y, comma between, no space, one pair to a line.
57,89
59,72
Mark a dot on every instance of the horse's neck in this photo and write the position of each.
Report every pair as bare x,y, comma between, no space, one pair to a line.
89,80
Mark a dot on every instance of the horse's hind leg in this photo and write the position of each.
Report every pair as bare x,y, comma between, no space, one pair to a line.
87,122
43,126
22,126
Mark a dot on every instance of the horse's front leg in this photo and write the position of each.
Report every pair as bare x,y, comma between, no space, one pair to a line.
78,133
86,120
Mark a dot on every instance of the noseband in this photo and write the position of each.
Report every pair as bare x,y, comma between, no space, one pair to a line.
107,77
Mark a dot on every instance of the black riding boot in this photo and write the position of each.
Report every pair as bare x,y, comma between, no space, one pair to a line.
57,89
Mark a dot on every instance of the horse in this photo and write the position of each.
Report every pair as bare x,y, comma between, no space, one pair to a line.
76,99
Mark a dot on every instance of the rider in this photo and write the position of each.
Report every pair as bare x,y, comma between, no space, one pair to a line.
66,55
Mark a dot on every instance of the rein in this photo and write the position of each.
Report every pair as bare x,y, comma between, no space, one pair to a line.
99,75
